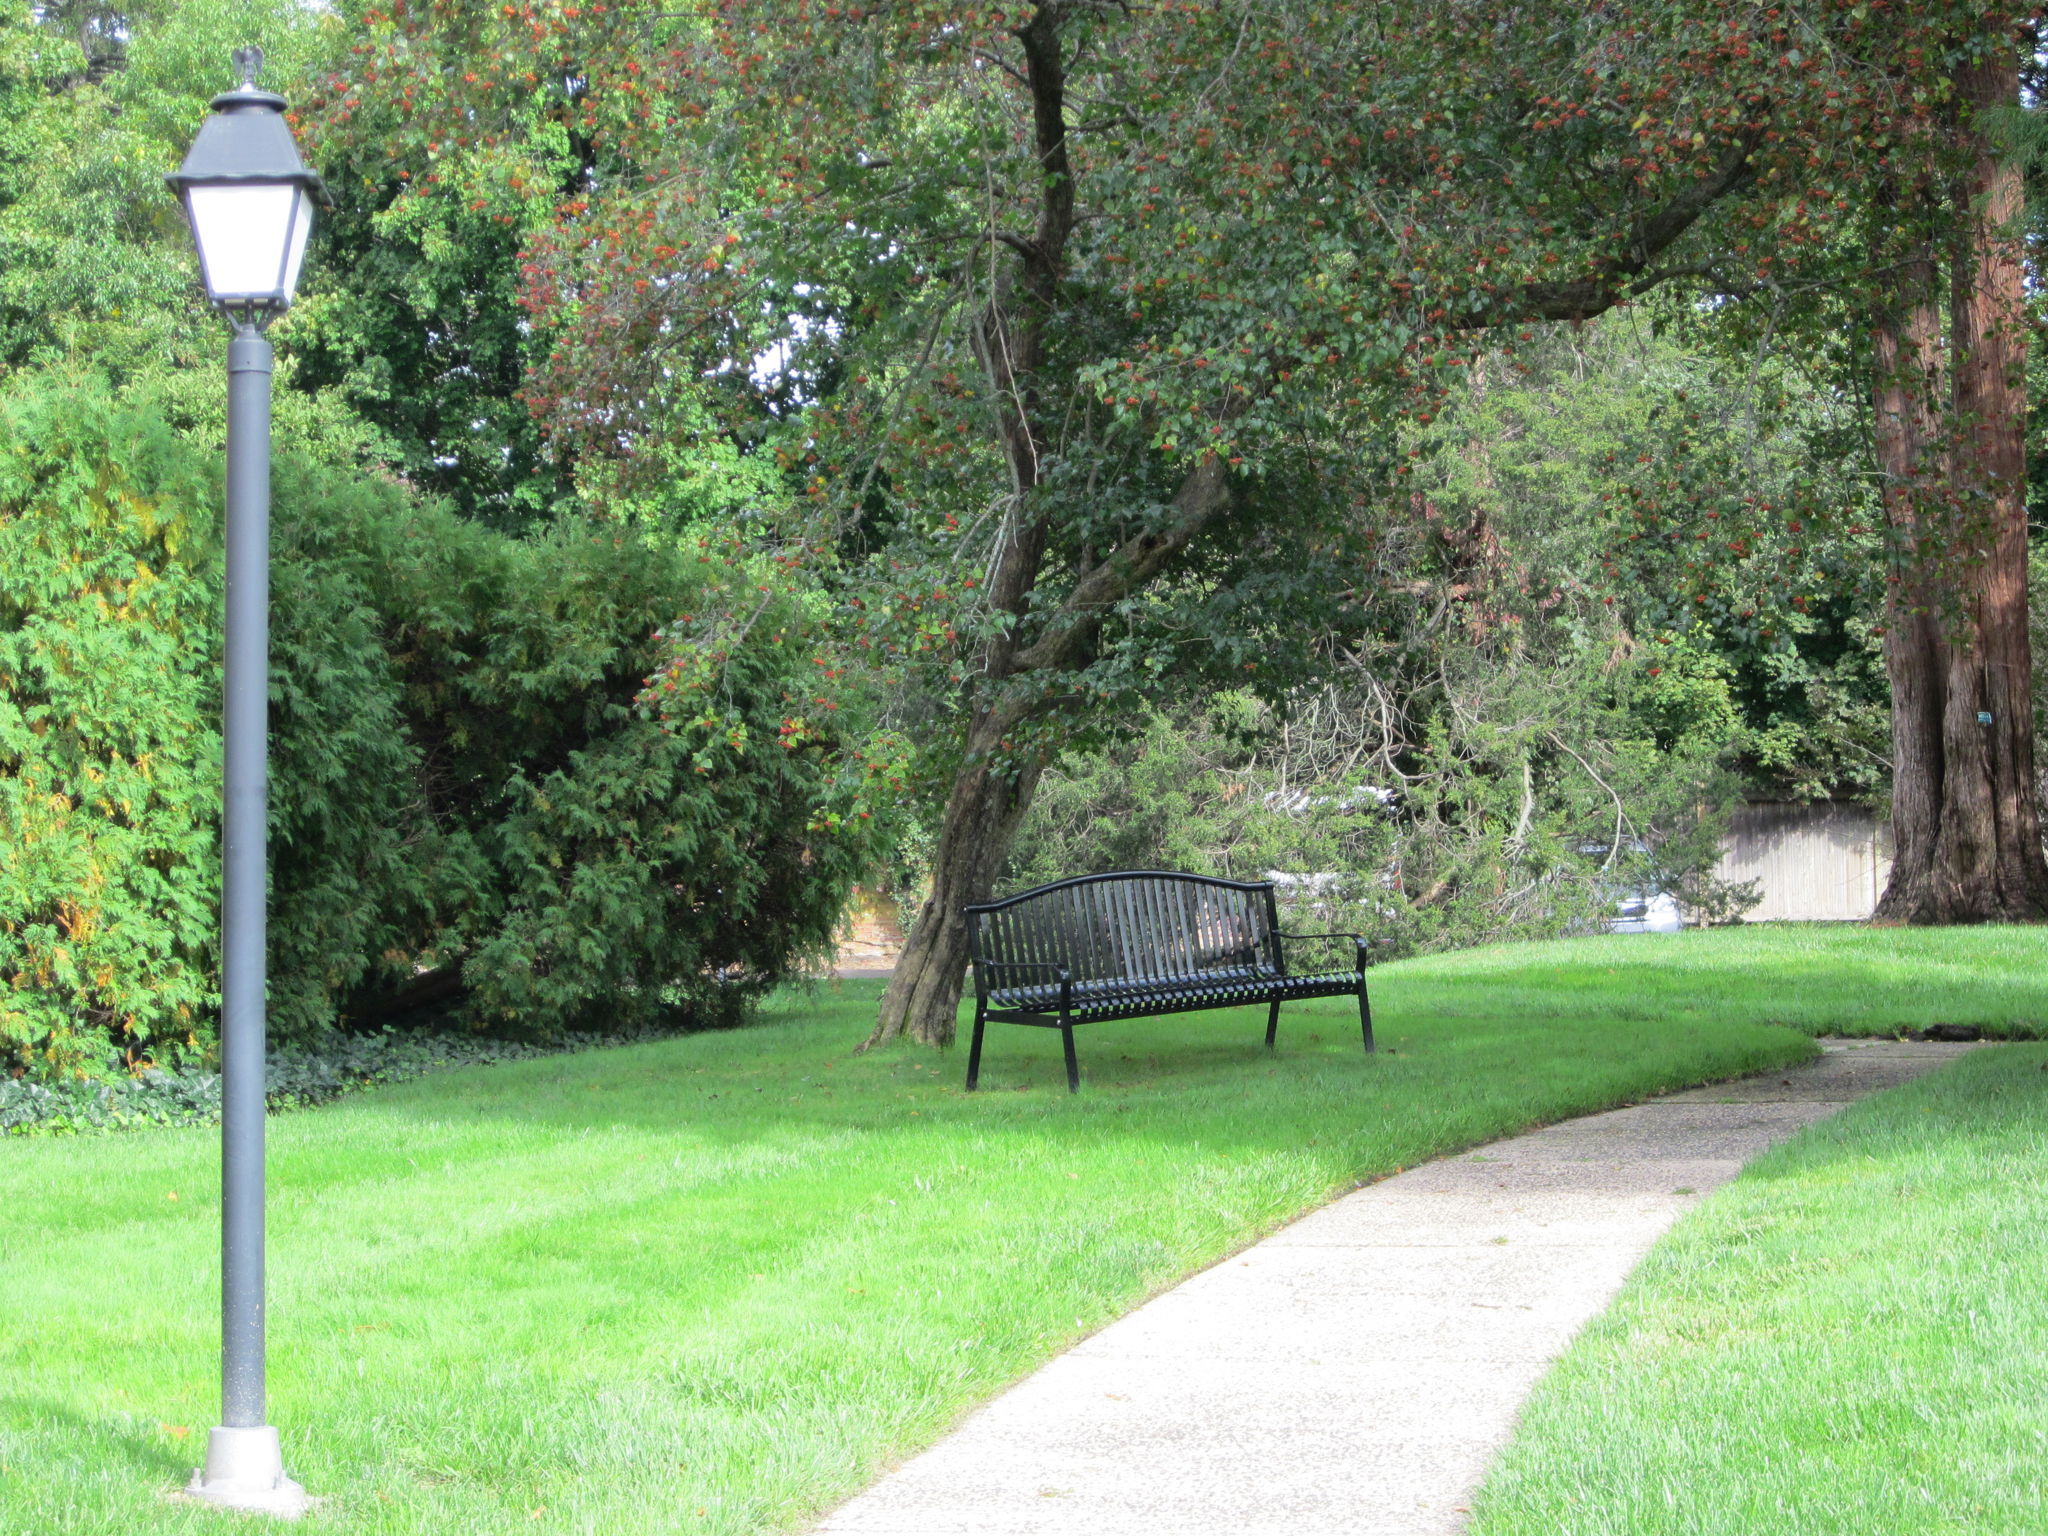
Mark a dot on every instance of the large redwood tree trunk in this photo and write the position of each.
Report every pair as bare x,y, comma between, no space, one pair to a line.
1908,381
1965,820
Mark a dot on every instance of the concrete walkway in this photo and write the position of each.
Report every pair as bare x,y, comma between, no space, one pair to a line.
1356,1372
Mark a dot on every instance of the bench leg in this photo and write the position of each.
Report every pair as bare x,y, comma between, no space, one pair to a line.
1365,1016
1073,1066
1272,1023
974,1050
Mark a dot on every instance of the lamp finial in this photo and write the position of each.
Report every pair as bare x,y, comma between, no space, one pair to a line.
249,64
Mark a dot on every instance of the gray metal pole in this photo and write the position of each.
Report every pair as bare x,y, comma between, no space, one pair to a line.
244,1465
244,883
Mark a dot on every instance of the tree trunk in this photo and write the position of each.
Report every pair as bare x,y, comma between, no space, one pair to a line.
994,787
1967,826
1906,358
1991,407
981,819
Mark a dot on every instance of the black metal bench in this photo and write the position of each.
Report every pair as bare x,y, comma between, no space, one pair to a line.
1139,944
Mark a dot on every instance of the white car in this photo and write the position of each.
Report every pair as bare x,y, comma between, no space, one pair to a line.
1645,911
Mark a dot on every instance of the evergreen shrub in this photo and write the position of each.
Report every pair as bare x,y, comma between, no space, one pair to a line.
109,755
469,804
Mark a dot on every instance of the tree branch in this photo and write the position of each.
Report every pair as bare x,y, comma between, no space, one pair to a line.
1041,42
1630,276
1204,494
1018,243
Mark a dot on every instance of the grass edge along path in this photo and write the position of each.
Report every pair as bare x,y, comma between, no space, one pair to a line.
717,1283
1849,1338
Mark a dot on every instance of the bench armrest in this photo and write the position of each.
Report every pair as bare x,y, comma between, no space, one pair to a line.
1358,941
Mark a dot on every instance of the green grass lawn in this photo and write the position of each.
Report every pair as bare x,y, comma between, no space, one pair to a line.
1821,978
1850,1340
717,1283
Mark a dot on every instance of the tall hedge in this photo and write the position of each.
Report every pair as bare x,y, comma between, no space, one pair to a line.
109,759
467,804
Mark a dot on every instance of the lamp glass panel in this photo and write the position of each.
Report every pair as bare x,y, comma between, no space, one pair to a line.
243,230
295,244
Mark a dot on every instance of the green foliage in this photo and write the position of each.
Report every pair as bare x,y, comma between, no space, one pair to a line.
1714,512
563,232
108,767
411,311
1616,588
31,1106
1138,312
95,258
350,868
1510,803
585,855
97,269
466,785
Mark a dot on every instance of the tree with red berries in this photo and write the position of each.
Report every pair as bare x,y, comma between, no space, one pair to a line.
1104,315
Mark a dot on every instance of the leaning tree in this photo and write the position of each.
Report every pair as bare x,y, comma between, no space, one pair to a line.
1095,295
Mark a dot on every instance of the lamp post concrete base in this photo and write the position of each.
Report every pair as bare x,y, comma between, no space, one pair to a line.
245,1470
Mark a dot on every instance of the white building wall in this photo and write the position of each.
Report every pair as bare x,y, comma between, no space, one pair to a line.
1826,861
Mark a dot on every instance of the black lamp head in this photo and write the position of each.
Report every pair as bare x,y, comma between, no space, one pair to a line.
249,197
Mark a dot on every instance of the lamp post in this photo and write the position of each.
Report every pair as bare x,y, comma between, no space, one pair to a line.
250,202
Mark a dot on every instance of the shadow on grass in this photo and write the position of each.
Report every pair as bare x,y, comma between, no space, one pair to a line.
116,1449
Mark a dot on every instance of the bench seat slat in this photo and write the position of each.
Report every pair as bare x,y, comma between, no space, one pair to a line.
1088,995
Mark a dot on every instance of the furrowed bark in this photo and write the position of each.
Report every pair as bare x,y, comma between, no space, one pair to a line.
1991,402
1984,862
1906,364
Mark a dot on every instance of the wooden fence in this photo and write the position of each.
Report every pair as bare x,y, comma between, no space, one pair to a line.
1826,861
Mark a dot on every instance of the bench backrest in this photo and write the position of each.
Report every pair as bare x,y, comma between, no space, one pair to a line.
1133,926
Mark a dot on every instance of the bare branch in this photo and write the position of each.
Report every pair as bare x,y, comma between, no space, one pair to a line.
1004,65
